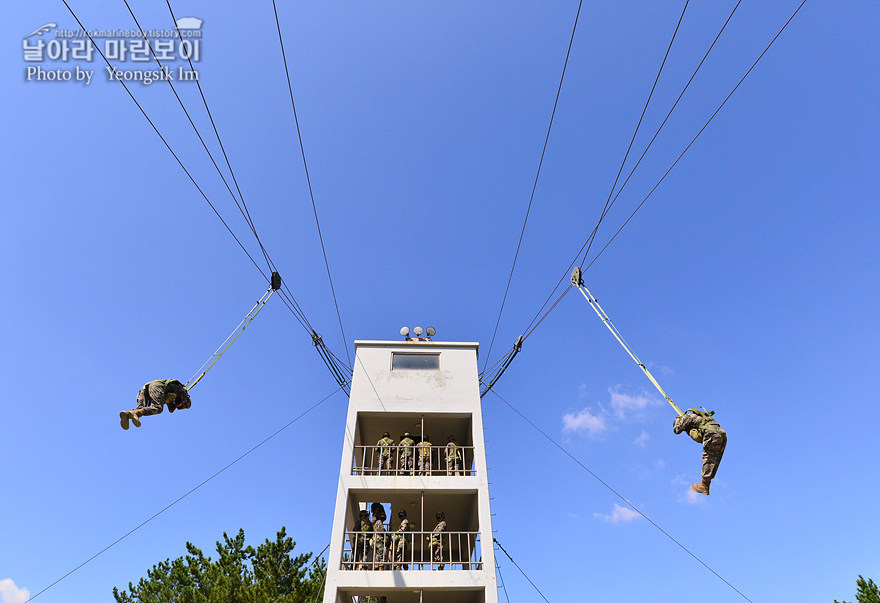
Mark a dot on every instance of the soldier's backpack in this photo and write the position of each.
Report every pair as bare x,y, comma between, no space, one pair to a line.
707,423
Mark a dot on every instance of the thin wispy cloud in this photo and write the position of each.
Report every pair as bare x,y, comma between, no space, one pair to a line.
625,405
618,514
620,408
688,496
10,593
584,421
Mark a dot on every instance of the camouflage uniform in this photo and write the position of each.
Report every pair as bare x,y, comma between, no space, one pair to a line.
703,428
424,457
400,545
385,445
437,543
362,550
379,548
153,396
406,454
453,458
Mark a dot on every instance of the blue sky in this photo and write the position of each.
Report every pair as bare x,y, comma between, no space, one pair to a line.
748,283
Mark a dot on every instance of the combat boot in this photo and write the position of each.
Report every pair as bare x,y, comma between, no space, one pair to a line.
136,419
123,419
701,488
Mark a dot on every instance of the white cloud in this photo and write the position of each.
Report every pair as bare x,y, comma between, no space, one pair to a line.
659,464
618,514
9,593
584,420
624,404
642,439
691,497
694,498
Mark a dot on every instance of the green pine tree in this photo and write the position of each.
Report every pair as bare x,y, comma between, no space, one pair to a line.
867,592
240,574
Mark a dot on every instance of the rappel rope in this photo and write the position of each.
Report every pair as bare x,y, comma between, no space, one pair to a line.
578,281
274,285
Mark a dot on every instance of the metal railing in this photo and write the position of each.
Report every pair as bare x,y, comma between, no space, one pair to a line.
413,460
411,551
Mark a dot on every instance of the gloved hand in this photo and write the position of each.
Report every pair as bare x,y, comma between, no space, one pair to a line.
696,436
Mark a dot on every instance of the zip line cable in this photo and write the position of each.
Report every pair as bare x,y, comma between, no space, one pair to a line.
495,540
287,298
501,580
243,208
533,325
535,185
635,133
168,146
694,139
198,134
653,138
160,512
530,328
618,495
309,182
300,317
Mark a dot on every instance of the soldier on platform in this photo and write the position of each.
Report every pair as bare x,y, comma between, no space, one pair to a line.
399,540
405,461
386,446
425,455
705,430
453,457
379,537
362,528
436,540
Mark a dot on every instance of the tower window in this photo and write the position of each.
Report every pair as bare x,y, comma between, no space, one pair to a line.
417,362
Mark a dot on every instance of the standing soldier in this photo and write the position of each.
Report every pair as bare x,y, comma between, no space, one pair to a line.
153,397
362,527
425,455
453,457
386,445
400,542
405,462
705,430
436,540
378,536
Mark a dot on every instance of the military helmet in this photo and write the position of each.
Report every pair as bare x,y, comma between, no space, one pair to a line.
451,438
401,513
441,515
406,434
364,513
385,434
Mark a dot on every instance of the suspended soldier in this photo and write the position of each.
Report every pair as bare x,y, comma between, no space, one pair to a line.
705,430
399,551
453,457
425,455
436,540
362,528
386,445
153,397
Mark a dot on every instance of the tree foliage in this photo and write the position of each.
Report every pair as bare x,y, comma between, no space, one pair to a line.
240,574
867,592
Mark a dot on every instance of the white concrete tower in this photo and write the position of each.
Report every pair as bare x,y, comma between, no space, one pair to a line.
429,390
